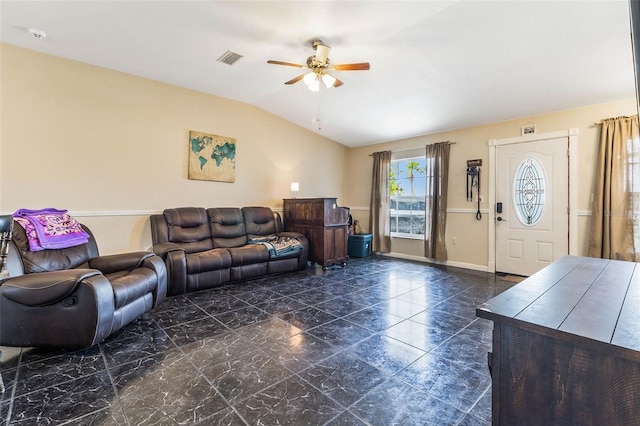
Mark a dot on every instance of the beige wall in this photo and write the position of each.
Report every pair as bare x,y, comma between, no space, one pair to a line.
471,249
112,148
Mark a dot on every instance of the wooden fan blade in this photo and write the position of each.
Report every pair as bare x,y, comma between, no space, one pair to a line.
289,64
362,66
336,83
295,80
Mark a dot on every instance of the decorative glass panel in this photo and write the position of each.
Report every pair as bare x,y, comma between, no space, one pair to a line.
529,191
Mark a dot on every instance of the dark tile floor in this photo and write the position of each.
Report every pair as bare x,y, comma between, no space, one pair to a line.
380,342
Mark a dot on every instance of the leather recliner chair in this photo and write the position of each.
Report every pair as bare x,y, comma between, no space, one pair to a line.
73,297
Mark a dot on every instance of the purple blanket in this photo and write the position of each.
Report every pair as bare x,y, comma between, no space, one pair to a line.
50,229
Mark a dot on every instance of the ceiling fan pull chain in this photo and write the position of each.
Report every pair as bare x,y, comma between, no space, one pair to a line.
319,110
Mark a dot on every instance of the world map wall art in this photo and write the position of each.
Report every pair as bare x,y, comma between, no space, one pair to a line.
212,157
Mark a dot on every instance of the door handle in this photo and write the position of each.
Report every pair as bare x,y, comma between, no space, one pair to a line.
500,219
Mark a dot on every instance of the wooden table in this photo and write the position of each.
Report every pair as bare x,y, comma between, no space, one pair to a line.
566,345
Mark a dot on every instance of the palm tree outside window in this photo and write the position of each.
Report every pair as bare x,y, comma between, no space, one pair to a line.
407,183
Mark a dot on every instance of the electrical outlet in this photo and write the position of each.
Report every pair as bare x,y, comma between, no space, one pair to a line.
454,240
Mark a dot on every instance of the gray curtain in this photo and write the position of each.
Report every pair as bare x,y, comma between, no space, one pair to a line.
379,218
437,171
614,230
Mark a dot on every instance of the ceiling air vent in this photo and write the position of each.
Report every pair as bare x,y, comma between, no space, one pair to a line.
229,57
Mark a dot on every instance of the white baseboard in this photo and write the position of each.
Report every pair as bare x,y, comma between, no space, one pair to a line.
463,265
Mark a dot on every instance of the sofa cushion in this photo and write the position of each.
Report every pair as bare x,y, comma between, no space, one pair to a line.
208,279
249,254
208,260
246,272
189,226
259,221
227,227
131,285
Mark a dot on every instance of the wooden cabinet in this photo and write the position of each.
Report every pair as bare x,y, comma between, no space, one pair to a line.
325,225
566,345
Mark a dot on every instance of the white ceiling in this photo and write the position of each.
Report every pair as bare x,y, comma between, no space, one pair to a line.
435,65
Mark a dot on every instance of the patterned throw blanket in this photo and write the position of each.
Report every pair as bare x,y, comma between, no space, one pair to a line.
278,246
50,229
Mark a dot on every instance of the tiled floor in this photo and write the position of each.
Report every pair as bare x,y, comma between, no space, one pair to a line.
380,342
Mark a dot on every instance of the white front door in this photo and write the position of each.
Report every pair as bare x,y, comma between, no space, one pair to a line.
532,205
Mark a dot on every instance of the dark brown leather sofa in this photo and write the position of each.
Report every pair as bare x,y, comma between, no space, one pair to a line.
73,297
205,248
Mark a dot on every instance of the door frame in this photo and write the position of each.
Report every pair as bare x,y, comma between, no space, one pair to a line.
572,135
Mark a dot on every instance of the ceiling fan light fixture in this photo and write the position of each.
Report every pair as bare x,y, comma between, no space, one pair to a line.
314,86
310,78
328,80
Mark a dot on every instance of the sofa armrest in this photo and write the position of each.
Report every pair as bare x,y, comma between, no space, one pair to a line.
162,249
278,219
176,263
304,253
119,262
44,288
157,265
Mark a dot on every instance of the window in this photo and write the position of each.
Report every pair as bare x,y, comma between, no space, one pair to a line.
407,185
632,186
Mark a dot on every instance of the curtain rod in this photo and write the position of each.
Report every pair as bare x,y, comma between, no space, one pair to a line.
614,118
412,149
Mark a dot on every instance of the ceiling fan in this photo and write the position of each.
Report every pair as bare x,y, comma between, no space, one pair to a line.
319,66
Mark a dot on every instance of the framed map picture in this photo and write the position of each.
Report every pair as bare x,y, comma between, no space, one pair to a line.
212,157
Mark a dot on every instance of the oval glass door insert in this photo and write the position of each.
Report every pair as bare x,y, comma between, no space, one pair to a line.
529,189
